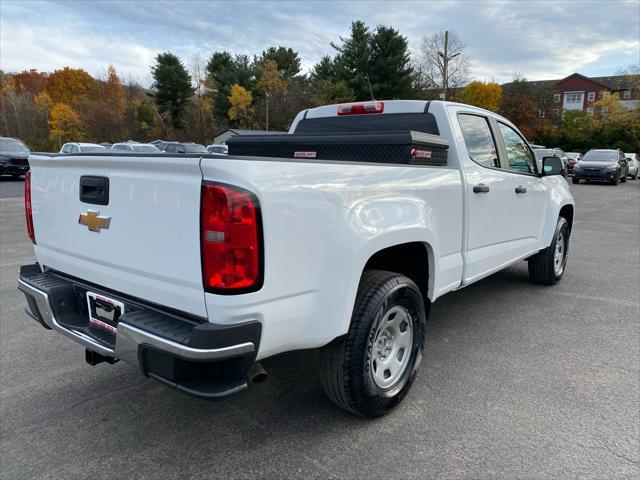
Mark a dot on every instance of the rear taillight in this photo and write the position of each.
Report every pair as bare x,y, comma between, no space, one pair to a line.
230,240
27,206
360,108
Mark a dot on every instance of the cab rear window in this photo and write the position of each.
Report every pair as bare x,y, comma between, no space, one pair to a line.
389,122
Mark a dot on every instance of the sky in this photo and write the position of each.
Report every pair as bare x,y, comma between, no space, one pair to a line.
537,39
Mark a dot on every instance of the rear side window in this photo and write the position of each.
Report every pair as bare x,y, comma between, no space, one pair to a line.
519,155
478,139
170,148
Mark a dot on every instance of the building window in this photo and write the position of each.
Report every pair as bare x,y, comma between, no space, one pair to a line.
605,109
540,113
605,94
626,94
556,97
592,96
590,111
573,98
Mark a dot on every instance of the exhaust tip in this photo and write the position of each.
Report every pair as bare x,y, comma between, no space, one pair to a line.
257,374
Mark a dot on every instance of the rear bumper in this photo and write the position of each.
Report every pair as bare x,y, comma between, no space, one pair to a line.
199,358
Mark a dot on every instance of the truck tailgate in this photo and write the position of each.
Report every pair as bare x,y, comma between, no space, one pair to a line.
151,248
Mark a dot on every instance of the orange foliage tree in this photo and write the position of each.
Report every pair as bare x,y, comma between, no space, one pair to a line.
69,85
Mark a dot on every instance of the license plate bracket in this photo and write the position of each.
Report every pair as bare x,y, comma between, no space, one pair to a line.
104,312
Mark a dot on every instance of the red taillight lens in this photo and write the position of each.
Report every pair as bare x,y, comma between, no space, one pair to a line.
230,239
361,108
27,206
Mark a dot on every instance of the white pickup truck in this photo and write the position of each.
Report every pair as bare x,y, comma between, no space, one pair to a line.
335,237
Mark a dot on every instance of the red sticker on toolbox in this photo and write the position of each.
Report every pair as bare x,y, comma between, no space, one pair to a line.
304,154
415,153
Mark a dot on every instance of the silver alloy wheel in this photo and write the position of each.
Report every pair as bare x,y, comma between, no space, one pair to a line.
392,344
558,258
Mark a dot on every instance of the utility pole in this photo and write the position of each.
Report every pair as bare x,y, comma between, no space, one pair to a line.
445,64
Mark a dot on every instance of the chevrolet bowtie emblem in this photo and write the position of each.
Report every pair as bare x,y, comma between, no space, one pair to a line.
94,221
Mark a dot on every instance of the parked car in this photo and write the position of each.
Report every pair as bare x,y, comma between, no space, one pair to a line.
632,161
215,148
572,159
14,157
161,144
337,237
553,152
184,148
603,165
136,147
80,147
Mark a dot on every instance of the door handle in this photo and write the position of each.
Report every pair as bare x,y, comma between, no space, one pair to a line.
480,188
521,189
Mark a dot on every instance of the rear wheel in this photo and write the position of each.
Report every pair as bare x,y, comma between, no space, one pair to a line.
547,266
623,179
370,369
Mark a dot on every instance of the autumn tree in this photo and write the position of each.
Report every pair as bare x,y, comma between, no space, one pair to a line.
483,95
65,125
20,116
31,81
270,82
240,110
172,87
224,71
519,105
103,116
69,85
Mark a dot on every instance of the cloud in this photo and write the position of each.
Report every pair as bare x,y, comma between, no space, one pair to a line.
537,39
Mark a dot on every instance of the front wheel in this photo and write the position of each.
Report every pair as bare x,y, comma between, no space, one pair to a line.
547,266
370,369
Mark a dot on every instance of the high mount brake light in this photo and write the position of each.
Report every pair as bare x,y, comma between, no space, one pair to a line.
230,240
361,108
28,210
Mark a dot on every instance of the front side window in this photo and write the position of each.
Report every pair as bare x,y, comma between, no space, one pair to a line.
478,139
75,149
519,155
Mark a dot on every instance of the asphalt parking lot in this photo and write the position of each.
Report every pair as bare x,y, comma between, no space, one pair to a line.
519,381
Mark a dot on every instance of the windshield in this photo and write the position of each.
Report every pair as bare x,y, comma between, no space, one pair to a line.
93,149
13,146
600,156
194,148
543,152
145,148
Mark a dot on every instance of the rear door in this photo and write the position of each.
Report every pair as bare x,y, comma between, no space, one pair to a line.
488,196
150,248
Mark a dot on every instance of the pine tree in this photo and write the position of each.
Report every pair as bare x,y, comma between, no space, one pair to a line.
172,85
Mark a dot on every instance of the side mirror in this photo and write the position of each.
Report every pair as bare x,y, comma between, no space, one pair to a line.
551,166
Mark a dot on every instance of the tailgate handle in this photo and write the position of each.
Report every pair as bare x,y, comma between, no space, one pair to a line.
94,190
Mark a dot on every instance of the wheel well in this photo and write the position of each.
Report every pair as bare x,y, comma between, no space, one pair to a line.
567,213
410,259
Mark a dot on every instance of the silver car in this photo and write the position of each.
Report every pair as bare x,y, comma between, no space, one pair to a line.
632,161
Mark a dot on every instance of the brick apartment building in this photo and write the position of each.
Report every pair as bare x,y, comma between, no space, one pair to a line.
577,92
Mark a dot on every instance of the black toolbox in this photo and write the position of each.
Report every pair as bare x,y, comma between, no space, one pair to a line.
396,147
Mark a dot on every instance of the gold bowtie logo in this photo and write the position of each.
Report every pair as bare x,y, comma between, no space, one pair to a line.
94,221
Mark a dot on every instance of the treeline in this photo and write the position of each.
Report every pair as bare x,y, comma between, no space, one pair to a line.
196,99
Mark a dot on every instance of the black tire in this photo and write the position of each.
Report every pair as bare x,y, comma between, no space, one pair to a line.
635,177
345,364
624,178
616,180
574,179
541,265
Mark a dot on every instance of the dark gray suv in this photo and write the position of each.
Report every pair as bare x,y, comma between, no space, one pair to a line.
14,157
601,165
